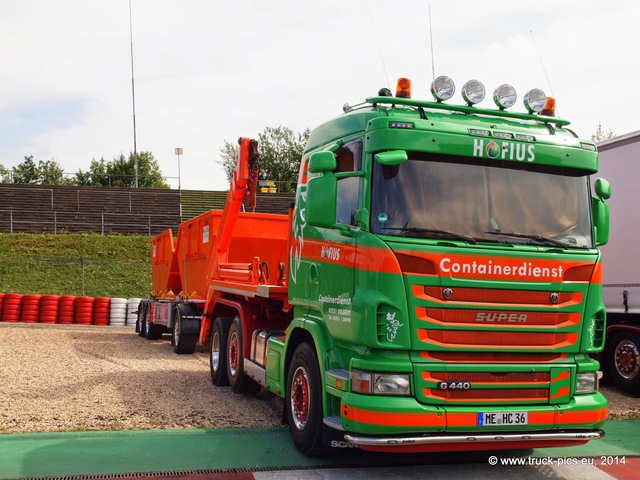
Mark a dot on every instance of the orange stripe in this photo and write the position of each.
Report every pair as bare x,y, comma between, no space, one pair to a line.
394,419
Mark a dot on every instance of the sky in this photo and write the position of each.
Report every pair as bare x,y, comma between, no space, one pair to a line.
206,71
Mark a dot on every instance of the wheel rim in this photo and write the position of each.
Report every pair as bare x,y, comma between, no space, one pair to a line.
176,331
233,354
300,398
215,352
627,359
147,327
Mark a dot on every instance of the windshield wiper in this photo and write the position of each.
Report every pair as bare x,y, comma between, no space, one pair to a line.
434,231
538,238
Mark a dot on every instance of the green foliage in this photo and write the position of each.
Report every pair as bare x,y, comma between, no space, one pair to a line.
280,152
92,265
120,172
28,172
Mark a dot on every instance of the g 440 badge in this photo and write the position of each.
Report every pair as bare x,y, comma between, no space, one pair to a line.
454,385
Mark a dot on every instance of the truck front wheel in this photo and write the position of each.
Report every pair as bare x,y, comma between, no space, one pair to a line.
218,351
623,356
303,401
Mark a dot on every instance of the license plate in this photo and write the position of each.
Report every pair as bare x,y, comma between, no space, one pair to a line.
491,419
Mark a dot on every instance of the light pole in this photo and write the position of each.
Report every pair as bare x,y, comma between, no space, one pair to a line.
178,152
133,98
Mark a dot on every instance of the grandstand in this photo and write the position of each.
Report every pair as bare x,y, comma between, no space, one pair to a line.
111,210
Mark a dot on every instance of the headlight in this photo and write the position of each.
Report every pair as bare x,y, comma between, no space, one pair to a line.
380,383
588,382
391,384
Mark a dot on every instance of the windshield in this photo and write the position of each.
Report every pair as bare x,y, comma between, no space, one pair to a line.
437,196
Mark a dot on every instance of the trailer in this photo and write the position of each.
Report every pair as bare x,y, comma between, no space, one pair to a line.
621,266
436,286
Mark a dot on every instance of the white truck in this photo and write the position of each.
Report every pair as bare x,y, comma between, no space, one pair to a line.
619,164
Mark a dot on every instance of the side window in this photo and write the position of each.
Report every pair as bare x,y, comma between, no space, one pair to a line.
348,159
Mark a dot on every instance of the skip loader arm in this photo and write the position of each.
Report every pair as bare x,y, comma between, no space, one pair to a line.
243,186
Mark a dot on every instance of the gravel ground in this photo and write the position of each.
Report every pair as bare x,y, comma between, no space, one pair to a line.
75,377
59,377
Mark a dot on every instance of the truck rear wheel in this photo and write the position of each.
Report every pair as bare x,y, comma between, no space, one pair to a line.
153,331
183,343
239,381
623,358
141,324
303,401
218,351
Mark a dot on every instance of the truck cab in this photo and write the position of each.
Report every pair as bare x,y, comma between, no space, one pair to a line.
445,278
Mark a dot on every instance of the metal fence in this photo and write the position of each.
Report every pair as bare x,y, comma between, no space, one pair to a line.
72,275
30,221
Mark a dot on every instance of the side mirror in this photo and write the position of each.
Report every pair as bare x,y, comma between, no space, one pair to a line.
322,190
602,188
393,157
321,162
600,211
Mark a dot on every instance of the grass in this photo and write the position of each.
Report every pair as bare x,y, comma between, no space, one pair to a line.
75,264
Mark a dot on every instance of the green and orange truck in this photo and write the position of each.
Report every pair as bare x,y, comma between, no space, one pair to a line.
436,286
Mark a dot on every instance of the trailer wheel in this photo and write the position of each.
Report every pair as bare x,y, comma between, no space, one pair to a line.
623,358
303,401
183,343
141,324
218,351
239,381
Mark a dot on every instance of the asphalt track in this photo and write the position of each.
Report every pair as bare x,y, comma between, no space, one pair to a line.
268,454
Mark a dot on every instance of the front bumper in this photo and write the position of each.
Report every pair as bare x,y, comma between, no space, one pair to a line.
372,421
448,443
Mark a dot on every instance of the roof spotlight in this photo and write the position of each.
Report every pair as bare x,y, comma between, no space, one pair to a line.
535,100
443,88
473,92
505,96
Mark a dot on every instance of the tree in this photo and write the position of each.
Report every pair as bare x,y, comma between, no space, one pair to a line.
42,173
5,174
280,152
26,172
120,172
600,134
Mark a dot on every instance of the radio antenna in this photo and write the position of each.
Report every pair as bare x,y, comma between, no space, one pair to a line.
433,66
542,63
375,33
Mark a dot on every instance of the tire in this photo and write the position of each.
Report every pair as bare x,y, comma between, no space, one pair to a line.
623,361
218,351
303,401
239,381
183,343
141,323
153,331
